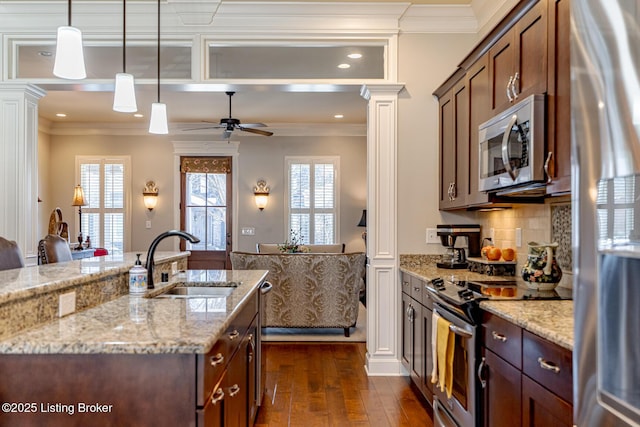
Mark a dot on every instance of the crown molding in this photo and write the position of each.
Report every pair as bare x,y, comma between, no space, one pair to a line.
427,18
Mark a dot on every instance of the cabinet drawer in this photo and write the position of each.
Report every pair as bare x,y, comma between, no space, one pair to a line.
416,289
548,364
405,280
503,338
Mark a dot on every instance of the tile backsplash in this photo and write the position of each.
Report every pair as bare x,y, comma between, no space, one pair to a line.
549,222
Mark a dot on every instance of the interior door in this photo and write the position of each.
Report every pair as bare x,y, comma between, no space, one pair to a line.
206,210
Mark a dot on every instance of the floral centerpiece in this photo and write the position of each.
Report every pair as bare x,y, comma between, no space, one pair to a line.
293,244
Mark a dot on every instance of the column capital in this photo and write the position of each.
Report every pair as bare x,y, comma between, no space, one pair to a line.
368,90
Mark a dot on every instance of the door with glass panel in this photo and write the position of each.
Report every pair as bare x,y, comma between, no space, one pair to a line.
205,210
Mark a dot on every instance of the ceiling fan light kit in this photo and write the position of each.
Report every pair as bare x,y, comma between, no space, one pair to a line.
69,61
124,97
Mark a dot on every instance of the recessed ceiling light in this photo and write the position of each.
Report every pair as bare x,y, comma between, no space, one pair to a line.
61,115
339,116
45,53
138,115
355,55
344,66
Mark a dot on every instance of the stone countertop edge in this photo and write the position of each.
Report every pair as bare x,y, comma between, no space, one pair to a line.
138,325
549,319
41,279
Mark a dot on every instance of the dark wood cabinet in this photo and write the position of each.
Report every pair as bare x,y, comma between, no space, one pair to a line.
501,393
559,98
523,376
454,146
518,61
416,334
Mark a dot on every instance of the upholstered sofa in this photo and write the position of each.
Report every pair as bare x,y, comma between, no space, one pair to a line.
274,248
319,290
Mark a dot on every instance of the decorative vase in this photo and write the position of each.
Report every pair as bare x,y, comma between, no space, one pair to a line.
541,270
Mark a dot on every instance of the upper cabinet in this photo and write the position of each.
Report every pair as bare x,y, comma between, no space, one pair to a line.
518,61
526,53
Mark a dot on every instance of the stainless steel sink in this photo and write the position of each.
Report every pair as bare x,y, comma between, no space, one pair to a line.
198,292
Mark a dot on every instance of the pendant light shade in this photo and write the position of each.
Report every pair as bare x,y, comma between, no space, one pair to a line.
69,63
124,97
158,123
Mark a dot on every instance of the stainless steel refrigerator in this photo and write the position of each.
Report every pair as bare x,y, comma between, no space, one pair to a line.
605,97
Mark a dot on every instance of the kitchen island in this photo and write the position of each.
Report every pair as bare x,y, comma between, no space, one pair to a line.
135,360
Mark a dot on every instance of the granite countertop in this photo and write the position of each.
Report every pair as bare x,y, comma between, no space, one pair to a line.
144,325
550,319
39,279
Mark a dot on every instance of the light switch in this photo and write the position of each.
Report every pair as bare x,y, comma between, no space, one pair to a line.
248,231
67,303
518,237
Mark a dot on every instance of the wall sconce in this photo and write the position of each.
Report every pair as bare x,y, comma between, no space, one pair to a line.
150,194
363,223
261,193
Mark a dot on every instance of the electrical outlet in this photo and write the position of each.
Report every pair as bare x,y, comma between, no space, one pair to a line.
67,303
518,237
492,234
432,235
148,224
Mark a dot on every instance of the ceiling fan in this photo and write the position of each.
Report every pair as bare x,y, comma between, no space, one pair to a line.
230,124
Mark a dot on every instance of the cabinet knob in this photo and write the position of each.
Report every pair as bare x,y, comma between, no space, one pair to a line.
498,337
234,390
217,359
233,335
217,396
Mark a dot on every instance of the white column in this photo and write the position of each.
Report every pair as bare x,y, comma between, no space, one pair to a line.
383,289
19,166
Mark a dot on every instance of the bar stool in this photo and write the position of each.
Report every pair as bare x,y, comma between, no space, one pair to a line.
53,248
10,255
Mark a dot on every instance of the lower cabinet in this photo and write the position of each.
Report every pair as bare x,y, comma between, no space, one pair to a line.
416,334
213,389
523,376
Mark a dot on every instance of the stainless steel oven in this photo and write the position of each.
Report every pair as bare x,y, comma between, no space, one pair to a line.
460,409
512,146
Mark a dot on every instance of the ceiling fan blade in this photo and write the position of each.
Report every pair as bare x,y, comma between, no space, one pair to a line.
254,125
206,127
258,131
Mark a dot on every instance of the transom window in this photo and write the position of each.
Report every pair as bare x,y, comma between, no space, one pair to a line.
105,181
312,201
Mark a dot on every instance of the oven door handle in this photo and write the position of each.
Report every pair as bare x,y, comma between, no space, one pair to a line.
505,147
460,331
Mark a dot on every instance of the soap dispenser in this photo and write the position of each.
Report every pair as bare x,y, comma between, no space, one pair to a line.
138,278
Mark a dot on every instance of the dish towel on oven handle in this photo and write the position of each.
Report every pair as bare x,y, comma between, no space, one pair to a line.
444,341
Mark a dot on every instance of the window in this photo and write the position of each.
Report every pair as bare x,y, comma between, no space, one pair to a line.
616,205
105,182
312,202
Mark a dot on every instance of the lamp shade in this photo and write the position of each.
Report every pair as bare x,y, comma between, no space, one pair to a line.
158,122
124,99
69,63
78,196
363,220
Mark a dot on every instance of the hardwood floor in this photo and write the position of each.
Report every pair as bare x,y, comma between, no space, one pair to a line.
325,384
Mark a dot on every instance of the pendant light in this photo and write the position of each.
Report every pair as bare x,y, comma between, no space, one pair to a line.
158,122
69,62
124,97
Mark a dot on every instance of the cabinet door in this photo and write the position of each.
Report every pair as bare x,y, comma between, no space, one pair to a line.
501,393
461,126
559,98
447,150
407,332
479,112
252,370
427,345
541,408
236,393
417,361
530,71
501,70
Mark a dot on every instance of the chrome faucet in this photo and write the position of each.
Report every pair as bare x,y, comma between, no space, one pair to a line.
154,244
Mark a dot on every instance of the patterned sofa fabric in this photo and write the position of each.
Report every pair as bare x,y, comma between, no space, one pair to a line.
273,248
309,290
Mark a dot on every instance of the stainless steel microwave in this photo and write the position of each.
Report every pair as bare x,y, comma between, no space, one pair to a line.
512,146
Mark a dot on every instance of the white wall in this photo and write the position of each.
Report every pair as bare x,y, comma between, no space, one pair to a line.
426,61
